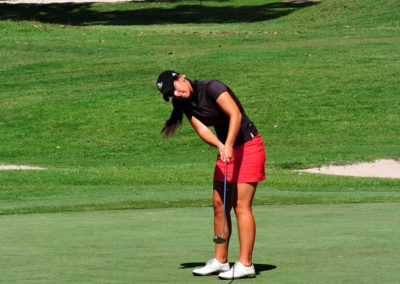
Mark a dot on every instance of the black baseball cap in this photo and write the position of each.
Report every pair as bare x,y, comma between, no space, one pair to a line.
165,83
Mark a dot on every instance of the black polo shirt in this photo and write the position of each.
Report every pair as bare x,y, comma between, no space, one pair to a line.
204,107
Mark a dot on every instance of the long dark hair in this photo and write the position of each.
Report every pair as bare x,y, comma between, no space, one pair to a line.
175,120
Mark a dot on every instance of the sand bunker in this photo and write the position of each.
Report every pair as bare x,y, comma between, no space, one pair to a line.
379,168
15,167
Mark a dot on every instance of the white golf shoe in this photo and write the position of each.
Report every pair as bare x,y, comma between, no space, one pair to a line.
212,266
239,270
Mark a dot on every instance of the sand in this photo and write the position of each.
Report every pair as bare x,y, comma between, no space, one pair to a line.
379,168
16,167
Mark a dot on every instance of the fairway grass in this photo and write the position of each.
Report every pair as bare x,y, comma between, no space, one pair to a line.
351,243
57,191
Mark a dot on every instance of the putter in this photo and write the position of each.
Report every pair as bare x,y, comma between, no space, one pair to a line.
221,240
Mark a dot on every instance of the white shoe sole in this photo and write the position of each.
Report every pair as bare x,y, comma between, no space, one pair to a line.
211,273
241,277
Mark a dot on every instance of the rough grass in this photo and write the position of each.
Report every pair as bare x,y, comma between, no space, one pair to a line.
78,95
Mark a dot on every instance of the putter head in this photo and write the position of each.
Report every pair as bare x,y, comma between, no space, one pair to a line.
219,240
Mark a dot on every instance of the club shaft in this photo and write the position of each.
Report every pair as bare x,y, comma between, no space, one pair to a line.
223,218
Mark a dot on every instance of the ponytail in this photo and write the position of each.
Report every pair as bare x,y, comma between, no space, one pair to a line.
175,120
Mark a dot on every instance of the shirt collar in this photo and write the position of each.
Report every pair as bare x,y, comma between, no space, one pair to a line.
195,85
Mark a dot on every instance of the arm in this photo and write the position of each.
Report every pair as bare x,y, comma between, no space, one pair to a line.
206,134
228,105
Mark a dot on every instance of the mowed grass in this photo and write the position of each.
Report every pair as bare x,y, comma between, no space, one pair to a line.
281,187
295,244
78,96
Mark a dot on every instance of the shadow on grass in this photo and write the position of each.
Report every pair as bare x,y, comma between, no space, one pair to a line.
259,267
87,14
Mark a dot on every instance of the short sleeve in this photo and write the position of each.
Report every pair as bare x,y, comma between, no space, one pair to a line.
215,89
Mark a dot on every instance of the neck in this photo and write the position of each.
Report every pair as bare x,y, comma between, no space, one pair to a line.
190,87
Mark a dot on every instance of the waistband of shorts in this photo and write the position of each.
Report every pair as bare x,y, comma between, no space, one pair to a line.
253,139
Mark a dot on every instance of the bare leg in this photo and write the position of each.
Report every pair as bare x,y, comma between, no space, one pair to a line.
245,220
221,250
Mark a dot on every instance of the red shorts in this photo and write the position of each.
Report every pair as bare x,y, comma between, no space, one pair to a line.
247,163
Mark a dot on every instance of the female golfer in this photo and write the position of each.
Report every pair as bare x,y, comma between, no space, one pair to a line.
241,153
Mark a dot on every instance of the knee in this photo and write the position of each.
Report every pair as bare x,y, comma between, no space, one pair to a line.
243,209
218,207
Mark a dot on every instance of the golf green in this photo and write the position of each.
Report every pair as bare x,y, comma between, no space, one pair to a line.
342,243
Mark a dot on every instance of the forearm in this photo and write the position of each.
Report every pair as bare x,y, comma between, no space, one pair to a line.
205,133
230,108
234,126
208,136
